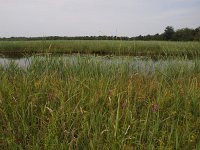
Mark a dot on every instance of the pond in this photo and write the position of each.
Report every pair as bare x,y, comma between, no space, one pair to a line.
139,64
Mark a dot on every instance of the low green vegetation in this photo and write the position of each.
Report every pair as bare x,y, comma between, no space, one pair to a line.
61,104
104,47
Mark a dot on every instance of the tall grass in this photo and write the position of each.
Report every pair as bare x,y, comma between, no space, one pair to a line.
102,47
59,104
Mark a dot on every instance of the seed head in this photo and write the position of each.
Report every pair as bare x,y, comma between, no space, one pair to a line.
155,107
110,93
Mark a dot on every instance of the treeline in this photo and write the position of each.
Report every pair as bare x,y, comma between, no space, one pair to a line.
65,38
169,34
184,34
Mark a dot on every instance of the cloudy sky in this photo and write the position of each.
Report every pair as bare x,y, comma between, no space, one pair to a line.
95,17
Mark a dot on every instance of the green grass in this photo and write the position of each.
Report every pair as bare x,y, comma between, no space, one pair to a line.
149,48
55,104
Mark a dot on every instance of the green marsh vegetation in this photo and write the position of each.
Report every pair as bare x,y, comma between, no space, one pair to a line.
102,47
87,104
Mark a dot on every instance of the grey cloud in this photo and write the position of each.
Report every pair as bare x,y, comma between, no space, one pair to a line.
94,17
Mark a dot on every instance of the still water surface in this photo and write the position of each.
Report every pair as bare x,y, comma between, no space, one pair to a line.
140,64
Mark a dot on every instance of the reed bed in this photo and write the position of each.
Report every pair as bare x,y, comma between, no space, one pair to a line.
60,104
104,47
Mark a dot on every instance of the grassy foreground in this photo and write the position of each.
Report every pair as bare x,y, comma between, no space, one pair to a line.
103,47
55,104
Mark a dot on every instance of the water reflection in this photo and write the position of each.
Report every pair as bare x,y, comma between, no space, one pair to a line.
21,62
139,64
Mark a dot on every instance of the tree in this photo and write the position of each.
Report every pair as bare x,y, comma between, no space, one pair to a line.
184,34
197,34
168,34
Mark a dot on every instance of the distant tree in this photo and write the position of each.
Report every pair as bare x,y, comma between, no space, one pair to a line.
156,37
168,34
197,34
140,37
184,34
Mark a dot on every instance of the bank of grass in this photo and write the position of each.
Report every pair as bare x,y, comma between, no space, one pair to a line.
56,104
103,47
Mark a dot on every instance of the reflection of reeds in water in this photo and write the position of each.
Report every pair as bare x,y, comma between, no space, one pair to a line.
54,104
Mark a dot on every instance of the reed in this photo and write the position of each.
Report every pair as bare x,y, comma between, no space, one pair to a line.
104,47
60,104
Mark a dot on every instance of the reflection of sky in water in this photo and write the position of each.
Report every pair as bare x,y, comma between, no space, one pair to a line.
137,64
22,62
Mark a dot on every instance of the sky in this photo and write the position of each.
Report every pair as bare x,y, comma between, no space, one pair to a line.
32,18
